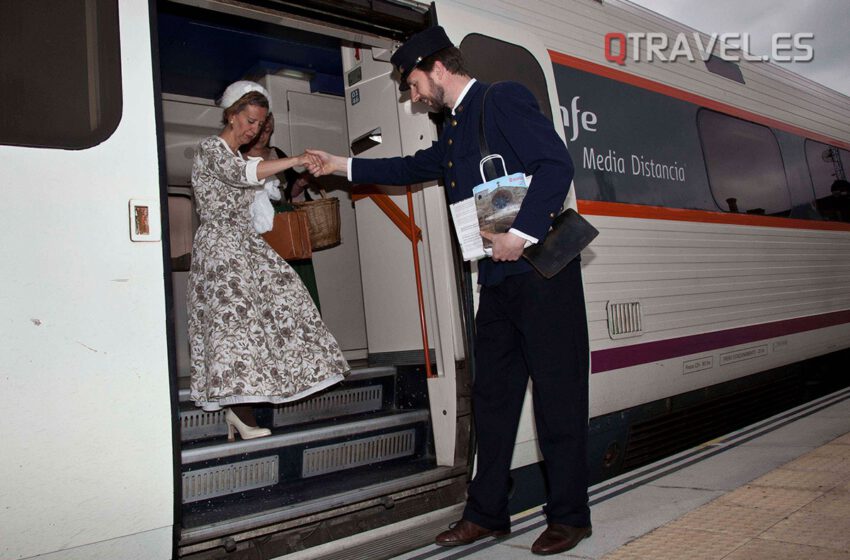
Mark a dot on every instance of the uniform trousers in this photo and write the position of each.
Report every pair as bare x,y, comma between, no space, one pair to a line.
528,326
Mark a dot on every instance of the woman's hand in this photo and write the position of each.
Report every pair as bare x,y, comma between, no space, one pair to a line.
311,162
329,163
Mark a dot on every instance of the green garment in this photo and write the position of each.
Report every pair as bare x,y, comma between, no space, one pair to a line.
304,268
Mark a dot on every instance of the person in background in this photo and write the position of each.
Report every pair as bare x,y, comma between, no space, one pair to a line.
526,325
255,335
295,190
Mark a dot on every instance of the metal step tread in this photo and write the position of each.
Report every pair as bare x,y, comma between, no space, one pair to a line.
342,401
218,449
358,374
198,527
388,541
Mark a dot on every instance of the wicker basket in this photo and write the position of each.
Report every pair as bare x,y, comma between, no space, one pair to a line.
323,220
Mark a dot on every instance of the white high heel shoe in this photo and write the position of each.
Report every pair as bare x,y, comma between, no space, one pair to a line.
245,431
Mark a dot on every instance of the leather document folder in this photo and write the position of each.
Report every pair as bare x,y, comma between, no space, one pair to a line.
569,235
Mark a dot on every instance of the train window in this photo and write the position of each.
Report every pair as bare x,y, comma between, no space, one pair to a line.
515,63
61,73
824,165
829,180
745,170
724,68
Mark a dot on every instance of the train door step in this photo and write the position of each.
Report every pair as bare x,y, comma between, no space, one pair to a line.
236,520
364,390
317,438
364,431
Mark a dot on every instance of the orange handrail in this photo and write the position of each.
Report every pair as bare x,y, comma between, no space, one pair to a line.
407,225
414,241
391,209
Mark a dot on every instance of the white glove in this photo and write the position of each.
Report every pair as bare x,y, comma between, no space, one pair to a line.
271,187
262,213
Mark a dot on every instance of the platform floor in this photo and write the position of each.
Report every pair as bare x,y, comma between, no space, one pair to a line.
779,489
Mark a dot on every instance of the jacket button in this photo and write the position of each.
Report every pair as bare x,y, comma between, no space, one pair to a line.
451,141
453,184
451,165
454,122
552,215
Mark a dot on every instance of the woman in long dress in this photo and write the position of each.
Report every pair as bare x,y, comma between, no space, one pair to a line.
255,335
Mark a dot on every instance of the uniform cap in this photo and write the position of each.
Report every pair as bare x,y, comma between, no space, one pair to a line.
417,48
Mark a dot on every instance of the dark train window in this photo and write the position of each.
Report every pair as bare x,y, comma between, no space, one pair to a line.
745,170
829,179
824,162
724,68
515,63
61,79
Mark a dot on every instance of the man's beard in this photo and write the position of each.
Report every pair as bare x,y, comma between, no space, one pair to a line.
438,97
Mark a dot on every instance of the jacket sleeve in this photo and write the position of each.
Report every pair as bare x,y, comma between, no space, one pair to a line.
532,139
424,165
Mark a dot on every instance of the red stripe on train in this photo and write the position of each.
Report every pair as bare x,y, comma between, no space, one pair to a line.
648,352
622,210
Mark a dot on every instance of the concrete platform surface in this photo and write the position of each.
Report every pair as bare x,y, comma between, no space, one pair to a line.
777,489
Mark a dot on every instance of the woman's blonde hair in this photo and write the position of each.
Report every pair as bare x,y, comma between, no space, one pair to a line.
251,98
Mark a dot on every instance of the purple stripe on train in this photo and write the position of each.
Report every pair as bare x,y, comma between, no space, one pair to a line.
635,354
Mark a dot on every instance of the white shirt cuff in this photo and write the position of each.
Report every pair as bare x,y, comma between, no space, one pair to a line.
348,172
529,240
251,171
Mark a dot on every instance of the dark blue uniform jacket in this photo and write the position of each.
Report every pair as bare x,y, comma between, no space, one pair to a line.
515,129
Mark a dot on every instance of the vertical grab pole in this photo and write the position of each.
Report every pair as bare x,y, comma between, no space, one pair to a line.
414,241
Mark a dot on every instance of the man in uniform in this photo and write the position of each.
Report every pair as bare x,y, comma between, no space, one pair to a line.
526,325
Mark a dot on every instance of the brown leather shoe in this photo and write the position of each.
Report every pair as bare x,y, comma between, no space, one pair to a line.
466,532
558,538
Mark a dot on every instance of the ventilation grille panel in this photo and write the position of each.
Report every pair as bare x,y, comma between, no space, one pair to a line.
330,405
221,480
624,319
196,424
356,453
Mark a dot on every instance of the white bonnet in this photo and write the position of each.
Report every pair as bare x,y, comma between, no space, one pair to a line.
237,89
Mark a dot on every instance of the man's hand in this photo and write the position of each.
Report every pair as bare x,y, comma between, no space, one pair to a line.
506,246
311,162
329,163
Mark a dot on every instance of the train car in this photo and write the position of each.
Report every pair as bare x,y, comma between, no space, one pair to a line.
717,292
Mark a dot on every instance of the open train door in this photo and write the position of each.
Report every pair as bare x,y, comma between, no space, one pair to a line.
382,123
88,460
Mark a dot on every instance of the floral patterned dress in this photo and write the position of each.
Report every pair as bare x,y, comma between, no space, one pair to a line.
254,332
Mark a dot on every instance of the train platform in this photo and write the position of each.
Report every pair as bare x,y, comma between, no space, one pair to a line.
774,490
